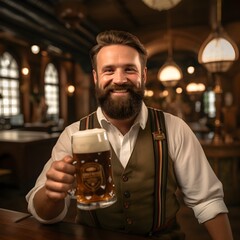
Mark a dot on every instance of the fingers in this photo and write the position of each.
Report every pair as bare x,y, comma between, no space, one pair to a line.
61,168
56,190
59,187
60,178
68,159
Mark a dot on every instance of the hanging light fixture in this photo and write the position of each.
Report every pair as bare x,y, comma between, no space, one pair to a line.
161,4
170,73
218,51
217,54
71,12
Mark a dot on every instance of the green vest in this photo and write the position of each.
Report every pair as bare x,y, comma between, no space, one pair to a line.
137,189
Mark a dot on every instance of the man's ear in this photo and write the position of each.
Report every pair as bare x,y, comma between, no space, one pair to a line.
144,75
94,76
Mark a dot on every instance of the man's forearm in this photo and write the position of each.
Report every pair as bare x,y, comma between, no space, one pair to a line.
219,227
45,207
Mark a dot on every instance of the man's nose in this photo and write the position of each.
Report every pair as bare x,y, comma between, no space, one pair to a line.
120,77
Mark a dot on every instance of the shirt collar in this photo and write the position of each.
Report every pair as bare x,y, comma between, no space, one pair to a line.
141,118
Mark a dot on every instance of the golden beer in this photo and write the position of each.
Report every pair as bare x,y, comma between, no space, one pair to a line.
92,156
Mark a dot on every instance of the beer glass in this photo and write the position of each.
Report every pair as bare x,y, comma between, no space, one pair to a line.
94,180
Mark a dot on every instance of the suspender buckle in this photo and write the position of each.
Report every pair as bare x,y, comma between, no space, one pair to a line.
159,135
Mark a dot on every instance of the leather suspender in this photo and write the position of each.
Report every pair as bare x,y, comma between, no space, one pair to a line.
161,167
87,122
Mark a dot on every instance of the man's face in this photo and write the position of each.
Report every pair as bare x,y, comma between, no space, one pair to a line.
120,81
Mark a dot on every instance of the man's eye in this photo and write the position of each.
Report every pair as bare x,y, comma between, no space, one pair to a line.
108,71
130,70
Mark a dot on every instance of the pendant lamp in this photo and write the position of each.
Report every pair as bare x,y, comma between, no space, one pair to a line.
170,73
217,54
218,51
161,4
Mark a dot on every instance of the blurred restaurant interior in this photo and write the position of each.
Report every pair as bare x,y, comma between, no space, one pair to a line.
46,80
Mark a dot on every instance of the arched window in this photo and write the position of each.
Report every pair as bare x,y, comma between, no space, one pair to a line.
9,86
51,91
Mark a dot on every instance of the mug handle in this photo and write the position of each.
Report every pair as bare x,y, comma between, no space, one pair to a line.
72,192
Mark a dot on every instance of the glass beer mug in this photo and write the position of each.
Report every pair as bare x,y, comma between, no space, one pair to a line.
94,180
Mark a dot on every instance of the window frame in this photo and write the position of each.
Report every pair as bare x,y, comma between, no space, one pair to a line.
51,89
10,82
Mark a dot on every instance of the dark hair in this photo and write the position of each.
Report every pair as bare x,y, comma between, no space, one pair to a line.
112,37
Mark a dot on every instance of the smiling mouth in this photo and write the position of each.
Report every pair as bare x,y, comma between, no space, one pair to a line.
119,91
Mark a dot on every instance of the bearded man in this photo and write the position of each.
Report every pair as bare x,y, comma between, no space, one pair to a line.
154,153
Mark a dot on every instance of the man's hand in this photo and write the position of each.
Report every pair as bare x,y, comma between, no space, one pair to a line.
49,200
60,178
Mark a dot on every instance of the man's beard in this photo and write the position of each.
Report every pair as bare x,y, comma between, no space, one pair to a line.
120,108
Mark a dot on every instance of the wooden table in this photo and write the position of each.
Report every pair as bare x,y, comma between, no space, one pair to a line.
26,152
21,226
225,161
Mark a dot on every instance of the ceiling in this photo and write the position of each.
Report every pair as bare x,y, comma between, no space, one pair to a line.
37,21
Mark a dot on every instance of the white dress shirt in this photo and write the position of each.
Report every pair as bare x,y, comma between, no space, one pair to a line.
123,144
201,189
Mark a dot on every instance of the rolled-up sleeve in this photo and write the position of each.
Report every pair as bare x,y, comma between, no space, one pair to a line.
209,209
60,150
32,210
202,190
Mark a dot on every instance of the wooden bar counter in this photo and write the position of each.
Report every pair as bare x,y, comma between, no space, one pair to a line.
225,161
25,152
21,226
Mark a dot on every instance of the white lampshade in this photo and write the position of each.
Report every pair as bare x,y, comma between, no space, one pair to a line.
169,74
218,52
195,88
161,4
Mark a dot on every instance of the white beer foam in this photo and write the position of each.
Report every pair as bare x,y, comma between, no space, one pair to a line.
90,140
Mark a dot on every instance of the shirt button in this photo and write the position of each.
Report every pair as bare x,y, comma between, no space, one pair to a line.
125,178
129,221
127,194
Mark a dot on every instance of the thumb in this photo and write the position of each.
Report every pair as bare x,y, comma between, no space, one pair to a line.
68,159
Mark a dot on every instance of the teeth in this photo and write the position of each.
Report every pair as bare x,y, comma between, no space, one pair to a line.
120,90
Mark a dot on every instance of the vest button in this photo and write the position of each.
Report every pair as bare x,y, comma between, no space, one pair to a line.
129,221
127,194
125,178
126,205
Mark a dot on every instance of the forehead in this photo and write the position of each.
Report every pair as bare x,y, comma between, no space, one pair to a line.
118,53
